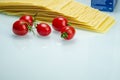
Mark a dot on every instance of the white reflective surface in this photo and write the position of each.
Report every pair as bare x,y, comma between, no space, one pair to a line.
89,56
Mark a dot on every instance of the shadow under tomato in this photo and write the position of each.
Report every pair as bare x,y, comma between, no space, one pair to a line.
42,37
20,37
68,42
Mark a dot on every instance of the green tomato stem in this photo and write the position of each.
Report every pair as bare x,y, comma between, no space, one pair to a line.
31,29
34,16
64,35
68,24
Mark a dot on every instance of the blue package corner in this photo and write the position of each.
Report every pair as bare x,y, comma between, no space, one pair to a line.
104,5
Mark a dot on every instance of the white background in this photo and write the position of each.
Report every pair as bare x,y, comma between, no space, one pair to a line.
89,56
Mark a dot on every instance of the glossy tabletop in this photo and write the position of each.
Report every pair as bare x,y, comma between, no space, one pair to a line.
89,56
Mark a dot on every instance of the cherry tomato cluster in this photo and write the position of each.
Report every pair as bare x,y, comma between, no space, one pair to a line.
25,24
60,24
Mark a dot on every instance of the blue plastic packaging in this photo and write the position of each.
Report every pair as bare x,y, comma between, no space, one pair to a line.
104,5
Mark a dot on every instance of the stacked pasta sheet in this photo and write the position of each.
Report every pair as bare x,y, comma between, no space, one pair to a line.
79,15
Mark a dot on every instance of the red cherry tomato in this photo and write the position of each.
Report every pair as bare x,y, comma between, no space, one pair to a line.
43,29
59,22
68,32
20,28
27,18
